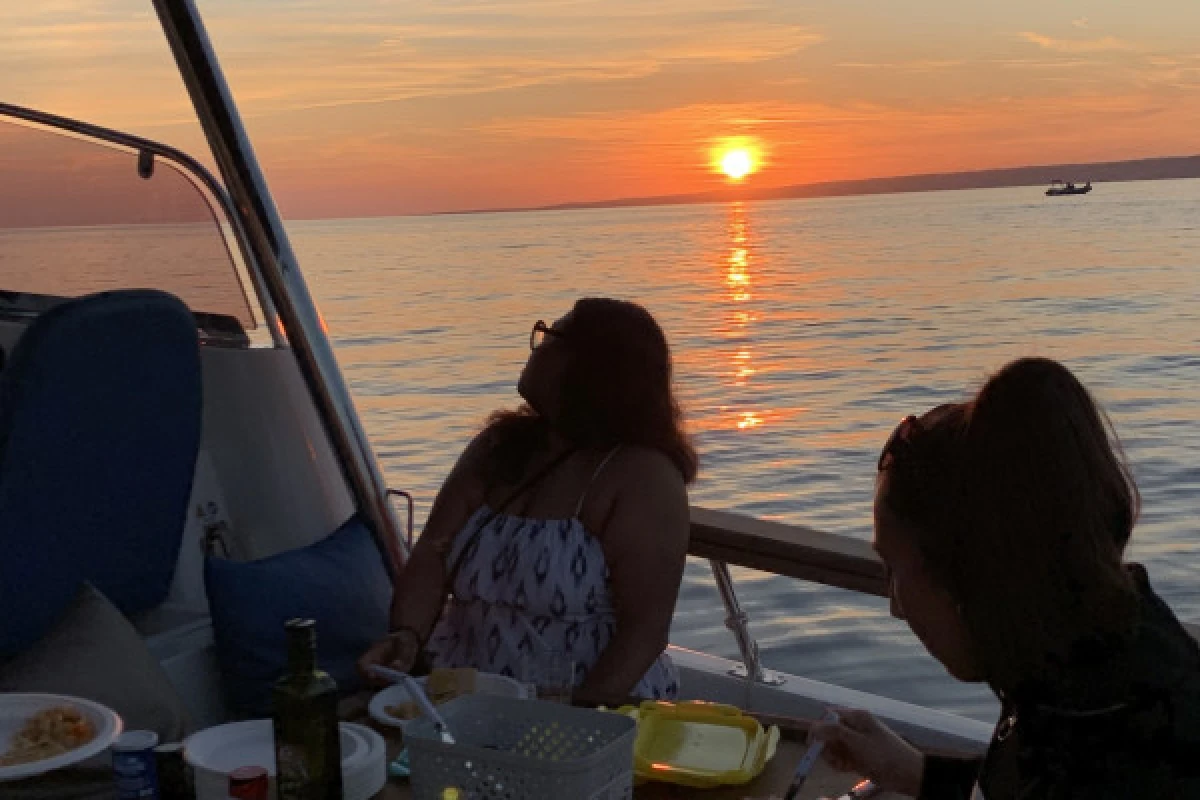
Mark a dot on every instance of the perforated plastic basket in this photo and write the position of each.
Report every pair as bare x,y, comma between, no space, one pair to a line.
510,749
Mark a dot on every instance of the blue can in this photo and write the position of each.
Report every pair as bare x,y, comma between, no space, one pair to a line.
133,765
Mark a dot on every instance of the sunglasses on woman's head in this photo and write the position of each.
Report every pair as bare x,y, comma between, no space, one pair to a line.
899,443
537,337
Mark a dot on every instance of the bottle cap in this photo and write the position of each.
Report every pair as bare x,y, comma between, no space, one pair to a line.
247,774
133,741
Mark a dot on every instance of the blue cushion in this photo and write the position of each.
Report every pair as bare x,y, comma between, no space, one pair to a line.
340,581
100,409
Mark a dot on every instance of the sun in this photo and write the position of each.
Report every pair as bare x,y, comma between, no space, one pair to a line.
737,163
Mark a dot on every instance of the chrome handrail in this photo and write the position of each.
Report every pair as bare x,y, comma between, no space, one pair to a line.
301,320
411,518
738,623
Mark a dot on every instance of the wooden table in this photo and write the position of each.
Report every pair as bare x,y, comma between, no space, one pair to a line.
824,781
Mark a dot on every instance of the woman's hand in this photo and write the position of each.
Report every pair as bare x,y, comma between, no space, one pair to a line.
398,651
861,744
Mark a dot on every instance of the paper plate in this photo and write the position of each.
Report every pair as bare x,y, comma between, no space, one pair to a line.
15,709
370,776
215,752
485,683
224,748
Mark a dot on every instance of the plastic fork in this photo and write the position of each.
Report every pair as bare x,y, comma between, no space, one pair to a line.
417,692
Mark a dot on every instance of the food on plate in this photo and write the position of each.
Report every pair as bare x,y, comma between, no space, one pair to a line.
49,732
442,686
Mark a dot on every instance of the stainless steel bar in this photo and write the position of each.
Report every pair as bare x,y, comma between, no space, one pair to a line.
301,321
738,623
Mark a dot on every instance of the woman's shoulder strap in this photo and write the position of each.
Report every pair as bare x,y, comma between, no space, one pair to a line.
595,474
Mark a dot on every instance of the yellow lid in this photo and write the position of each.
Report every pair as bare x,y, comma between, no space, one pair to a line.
700,744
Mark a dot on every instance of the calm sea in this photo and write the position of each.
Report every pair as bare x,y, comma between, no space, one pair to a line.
802,331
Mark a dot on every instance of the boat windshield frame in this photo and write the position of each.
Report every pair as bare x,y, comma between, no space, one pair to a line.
242,259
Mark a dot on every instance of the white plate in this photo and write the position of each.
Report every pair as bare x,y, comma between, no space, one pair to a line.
224,748
370,776
215,752
15,709
485,683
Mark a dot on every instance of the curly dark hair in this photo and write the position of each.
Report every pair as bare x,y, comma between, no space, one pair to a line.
616,389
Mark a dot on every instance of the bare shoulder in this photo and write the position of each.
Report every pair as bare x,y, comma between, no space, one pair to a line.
476,452
645,470
466,478
645,482
645,491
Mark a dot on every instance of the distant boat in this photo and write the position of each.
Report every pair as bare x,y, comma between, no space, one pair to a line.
1059,188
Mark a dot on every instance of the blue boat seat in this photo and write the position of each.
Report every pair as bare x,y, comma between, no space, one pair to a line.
100,413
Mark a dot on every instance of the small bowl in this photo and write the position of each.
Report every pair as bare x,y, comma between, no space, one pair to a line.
485,683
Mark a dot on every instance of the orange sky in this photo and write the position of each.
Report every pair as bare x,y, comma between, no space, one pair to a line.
364,107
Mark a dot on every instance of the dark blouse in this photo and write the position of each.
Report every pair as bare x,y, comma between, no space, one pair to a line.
1138,738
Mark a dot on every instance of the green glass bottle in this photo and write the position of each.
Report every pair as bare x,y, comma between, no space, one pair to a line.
308,753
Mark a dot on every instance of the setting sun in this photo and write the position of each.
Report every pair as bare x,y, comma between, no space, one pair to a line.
737,164
736,157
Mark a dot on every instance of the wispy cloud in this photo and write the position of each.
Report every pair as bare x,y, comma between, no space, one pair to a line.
1081,23
352,63
1103,44
919,65
309,58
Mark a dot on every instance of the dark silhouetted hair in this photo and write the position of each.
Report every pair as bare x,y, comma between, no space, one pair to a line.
1022,507
616,389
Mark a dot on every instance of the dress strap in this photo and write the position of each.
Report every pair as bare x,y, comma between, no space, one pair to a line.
596,474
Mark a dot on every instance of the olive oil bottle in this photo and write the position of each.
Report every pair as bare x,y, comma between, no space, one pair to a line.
308,754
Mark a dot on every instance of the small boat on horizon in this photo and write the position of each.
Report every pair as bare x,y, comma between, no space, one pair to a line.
1059,188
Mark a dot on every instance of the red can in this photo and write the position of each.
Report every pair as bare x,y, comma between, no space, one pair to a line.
248,783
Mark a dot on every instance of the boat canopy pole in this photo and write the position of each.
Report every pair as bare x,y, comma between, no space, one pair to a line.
301,321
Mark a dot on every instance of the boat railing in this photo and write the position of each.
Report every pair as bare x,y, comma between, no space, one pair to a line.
794,551
725,538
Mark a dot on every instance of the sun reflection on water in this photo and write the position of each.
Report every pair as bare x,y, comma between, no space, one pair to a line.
749,419
738,264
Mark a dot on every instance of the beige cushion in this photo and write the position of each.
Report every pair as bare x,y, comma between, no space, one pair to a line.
95,652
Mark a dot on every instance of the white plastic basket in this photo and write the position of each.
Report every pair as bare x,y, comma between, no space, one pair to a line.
509,749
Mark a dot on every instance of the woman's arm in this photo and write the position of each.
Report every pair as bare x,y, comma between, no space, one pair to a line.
420,590
645,540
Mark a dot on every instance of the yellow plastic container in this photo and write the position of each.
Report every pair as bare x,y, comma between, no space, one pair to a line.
699,744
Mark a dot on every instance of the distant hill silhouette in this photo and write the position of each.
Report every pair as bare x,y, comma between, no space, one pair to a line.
1145,169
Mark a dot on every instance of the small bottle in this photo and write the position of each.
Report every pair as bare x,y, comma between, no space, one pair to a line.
308,754
133,765
248,783
174,774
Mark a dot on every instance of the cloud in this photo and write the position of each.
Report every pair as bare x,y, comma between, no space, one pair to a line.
1104,44
1081,23
1041,63
920,65
368,62
312,57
